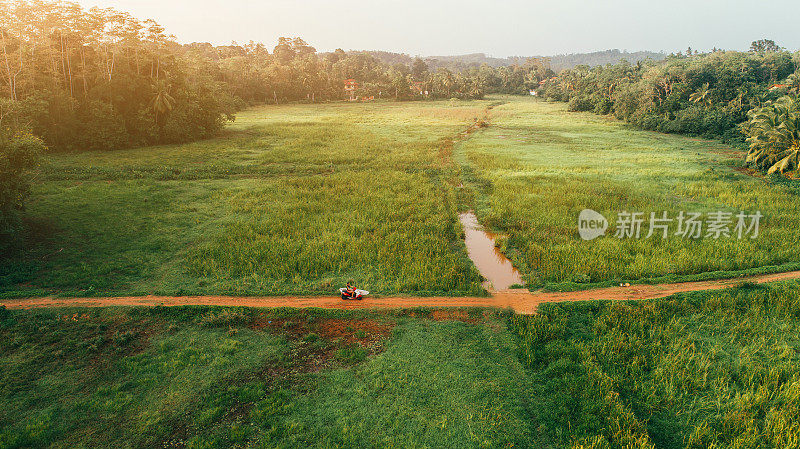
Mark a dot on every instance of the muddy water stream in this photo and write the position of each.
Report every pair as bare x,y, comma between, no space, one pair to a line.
491,263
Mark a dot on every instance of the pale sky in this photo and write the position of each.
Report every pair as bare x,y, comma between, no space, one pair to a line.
495,27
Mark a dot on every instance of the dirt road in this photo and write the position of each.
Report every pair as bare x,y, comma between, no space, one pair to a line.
521,301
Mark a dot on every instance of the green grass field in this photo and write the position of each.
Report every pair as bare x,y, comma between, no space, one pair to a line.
220,378
537,166
698,370
296,199
291,200
702,370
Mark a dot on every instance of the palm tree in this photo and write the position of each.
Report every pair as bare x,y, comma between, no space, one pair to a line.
162,102
773,133
702,96
448,81
793,83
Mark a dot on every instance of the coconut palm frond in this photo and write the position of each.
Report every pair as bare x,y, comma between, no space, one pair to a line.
773,136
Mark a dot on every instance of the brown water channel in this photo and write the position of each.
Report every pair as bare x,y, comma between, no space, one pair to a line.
491,263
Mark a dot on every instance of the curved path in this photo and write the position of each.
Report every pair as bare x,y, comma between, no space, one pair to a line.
521,301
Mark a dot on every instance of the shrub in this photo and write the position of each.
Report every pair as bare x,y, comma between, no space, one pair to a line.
224,317
123,339
17,156
604,106
100,128
579,104
351,354
5,315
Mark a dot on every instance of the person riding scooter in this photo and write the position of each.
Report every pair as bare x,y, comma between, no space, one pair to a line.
351,292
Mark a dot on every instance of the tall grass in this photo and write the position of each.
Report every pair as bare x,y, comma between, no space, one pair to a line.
110,378
717,369
538,166
293,199
443,385
203,377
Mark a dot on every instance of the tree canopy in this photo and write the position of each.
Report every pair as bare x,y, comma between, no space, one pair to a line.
706,94
102,79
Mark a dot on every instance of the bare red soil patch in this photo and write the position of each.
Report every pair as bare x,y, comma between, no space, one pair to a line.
365,332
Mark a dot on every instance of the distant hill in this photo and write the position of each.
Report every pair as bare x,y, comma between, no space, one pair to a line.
472,59
557,62
561,62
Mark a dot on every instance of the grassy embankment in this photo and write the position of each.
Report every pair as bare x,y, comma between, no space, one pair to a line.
538,166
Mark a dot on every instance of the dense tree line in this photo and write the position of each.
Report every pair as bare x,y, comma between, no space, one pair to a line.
294,71
699,94
102,79
556,62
